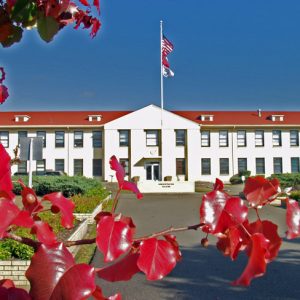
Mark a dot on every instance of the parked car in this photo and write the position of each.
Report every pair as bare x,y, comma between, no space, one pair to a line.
54,173
20,174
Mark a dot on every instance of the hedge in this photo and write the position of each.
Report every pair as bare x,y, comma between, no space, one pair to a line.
68,185
288,179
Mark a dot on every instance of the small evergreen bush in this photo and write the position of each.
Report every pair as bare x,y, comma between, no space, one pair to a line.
295,195
237,178
288,179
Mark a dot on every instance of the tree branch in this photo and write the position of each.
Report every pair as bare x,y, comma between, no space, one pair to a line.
27,241
156,234
169,230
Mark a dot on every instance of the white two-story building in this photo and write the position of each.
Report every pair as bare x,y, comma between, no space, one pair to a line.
153,144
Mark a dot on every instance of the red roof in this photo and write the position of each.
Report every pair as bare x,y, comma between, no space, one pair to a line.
80,118
59,118
242,117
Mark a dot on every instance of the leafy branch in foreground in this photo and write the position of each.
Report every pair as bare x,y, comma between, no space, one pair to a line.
53,273
48,16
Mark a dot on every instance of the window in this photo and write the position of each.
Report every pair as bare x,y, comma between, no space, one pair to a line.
259,138
152,137
276,138
223,138
97,139
205,166
277,164
294,138
125,164
242,164
180,166
260,165
224,166
295,167
78,167
180,137
21,134
42,134
59,139
4,139
40,167
60,165
205,138
241,138
78,139
97,167
124,138
22,167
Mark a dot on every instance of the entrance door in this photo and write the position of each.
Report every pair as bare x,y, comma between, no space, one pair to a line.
152,171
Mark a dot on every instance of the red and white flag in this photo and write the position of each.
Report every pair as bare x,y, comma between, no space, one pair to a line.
166,48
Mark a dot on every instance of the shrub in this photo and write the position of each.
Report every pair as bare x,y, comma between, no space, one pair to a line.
287,179
237,178
88,202
69,185
11,249
295,195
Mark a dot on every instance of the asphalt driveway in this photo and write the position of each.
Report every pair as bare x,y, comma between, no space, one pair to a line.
203,273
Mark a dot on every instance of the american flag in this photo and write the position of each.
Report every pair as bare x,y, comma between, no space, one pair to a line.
166,48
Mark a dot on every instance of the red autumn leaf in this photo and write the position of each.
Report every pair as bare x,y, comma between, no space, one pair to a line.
99,296
53,274
3,93
23,219
44,233
102,214
64,205
10,214
292,218
234,212
6,185
84,2
219,185
157,258
7,283
114,237
128,221
2,78
120,174
5,32
230,244
9,291
259,190
30,201
131,186
122,270
97,5
172,240
211,209
116,166
269,230
257,261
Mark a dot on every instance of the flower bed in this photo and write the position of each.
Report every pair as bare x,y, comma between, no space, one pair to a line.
15,269
91,215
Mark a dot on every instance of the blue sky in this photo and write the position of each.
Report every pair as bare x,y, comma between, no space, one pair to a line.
229,54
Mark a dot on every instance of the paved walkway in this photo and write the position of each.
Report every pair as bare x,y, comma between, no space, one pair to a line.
203,273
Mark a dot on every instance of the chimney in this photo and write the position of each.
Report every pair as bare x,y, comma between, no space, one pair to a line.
259,112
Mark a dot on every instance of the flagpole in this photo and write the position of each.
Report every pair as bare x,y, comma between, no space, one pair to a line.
161,74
